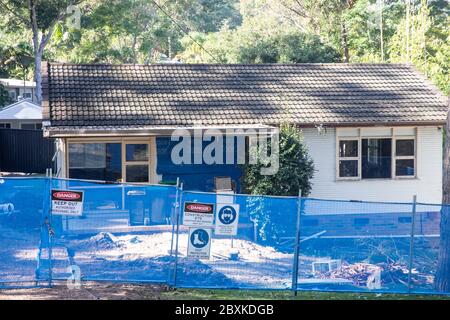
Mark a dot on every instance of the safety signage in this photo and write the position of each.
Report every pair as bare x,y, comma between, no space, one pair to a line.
67,202
227,219
199,246
198,214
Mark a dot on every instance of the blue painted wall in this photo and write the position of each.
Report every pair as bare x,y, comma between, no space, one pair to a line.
199,177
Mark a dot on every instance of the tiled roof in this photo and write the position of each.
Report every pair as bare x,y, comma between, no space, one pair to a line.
101,95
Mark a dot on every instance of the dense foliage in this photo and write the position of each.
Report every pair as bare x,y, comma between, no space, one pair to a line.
4,96
295,170
232,31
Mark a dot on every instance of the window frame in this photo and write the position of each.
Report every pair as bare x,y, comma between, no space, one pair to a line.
6,125
392,155
359,137
151,140
339,158
395,157
34,124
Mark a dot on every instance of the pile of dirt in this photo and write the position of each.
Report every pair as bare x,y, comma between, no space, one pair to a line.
102,241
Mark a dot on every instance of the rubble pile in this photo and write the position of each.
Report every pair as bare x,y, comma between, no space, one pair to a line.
363,274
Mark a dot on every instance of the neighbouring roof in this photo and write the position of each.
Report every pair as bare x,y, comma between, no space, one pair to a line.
17,83
98,96
21,110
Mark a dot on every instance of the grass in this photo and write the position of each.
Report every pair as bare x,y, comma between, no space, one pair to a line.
203,294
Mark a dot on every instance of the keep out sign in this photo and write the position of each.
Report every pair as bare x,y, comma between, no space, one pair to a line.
67,203
198,214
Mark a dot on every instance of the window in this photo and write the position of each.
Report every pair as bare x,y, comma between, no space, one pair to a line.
5,125
120,161
136,162
405,157
376,158
376,153
27,95
348,158
31,126
95,161
137,152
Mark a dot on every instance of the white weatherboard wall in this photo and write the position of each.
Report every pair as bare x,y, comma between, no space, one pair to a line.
427,185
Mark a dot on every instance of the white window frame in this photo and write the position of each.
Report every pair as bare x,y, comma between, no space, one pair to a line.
413,157
339,158
359,137
5,124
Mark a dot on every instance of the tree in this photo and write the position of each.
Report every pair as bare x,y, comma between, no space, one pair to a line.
247,44
296,170
442,280
16,60
41,17
4,96
327,17
370,27
425,42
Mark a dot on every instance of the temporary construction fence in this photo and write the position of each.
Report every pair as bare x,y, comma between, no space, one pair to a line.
140,233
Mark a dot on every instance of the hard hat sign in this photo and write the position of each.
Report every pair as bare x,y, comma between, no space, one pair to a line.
227,219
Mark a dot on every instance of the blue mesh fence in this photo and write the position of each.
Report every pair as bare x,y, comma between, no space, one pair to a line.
21,231
124,233
354,246
140,233
259,256
425,247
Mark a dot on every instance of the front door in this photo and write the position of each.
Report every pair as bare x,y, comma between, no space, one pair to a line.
136,162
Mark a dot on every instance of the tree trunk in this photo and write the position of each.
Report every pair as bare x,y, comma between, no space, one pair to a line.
442,281
38,76
36,51
345,43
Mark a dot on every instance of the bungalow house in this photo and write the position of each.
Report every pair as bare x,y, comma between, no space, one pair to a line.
374,131
23,114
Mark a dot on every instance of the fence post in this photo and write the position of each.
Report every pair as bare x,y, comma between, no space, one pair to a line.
176,237
50,235
411,243
173,216
297,245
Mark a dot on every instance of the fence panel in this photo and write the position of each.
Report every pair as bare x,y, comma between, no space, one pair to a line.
425,248
124,234
355,246
260,256
23,235
25,151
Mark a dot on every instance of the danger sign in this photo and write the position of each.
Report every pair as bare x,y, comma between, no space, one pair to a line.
67,202
198,214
